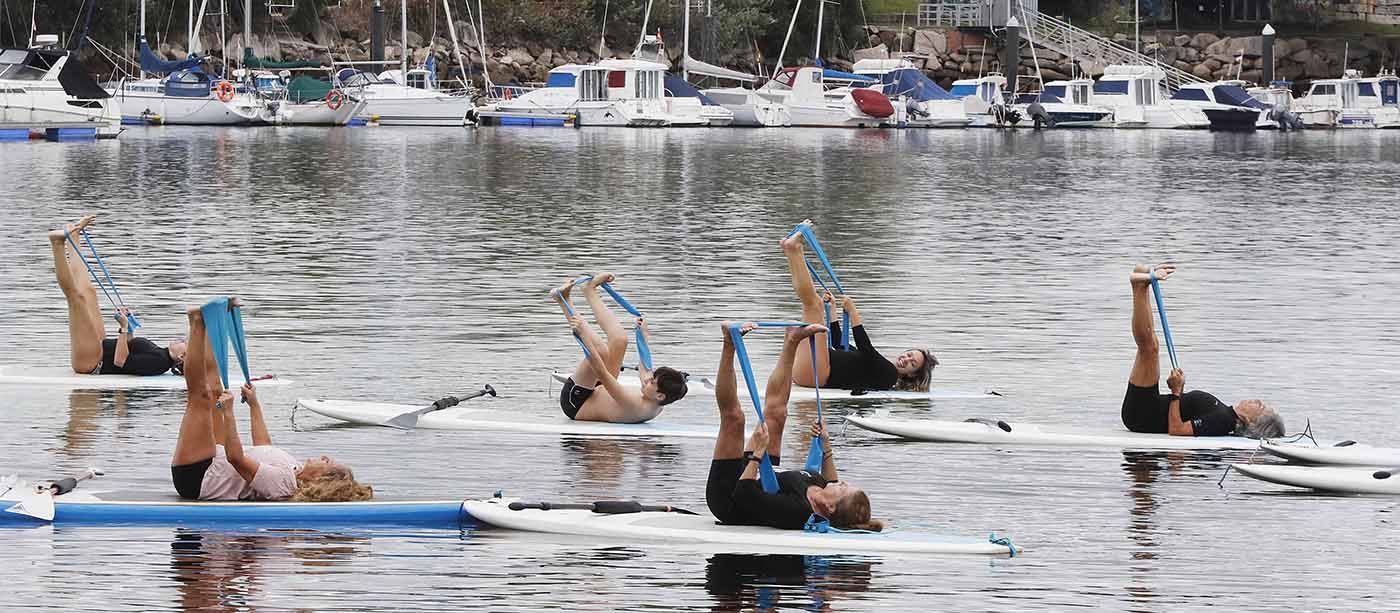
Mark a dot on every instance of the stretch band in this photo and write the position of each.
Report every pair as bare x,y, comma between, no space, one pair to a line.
810,237
224,326
767,477
1162,313
643,348
109,287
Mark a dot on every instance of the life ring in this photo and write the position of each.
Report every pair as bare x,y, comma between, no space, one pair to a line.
506,92
224,90
334,99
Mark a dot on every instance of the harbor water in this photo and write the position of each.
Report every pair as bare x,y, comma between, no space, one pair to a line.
403,265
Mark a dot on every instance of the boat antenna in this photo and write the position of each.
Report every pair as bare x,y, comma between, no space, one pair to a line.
602,36
982,59
646,18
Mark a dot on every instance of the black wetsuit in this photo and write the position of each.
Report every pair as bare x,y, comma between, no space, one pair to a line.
1145,410
743,502
143,358
861,367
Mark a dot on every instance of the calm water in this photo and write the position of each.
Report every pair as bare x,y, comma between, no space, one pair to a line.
403,265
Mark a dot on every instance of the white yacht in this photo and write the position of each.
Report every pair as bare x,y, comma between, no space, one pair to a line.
1138,97
412,98
810,101
307,100
1381,95
1223,106
46,87
925,104
983,100
1067,104
189,95
628,93
1338,103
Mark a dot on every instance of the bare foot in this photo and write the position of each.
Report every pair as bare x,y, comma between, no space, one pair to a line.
561,293
234,303
61,235
600,279
792,244
744,328
1141,276
194,314
797,334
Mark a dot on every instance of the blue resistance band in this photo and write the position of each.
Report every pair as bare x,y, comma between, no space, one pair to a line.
643,349
1162,313
578,339
109,287
810,237
224,327
768,478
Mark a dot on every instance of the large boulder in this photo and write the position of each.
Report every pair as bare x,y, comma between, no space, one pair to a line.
1302,56
880,52
415,39
1224,46
1297,44
520,56
1253,46
466,34
1203,40
1317,68
933,43
1203,71
1181,40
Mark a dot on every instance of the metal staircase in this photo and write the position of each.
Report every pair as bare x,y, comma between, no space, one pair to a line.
1082,45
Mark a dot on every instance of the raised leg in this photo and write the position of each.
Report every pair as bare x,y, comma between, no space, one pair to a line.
1147,363
583,373
775,398
85,325
806,372
607,320
197,434
730,442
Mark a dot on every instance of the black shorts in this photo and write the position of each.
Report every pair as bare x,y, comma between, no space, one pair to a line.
719,490
572,396
189,478
1145,409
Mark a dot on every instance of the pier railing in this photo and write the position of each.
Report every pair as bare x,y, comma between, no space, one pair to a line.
1081,44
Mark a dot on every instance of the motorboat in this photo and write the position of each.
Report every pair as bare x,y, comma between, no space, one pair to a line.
984,101
818,97
1138,98
1224,106
406,98
1065,104
47,88
1338,103
925,104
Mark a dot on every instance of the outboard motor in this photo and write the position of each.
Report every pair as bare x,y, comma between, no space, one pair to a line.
1005,115
1039,115
1286,120
917,110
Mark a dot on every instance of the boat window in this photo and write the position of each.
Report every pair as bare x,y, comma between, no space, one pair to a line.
1366,89
1191,94
1390,92
1323,89
963,91
1111,87
1081,94
418,80
593,85
1058,91
617,78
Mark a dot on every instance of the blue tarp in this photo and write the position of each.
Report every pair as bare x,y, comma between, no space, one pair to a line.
912,83
678,88
1236,96
828,73
188,84
560,79
150,62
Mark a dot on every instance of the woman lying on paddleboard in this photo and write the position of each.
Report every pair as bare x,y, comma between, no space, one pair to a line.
210,462
733,492
1194,413
581,398
861,367
91,352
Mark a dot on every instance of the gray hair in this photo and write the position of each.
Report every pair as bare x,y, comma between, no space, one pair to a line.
1266,425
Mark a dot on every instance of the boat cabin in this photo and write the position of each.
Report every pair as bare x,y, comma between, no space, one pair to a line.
1124,85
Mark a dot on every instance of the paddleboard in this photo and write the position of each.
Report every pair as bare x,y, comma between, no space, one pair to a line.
103,508
1343,479
1036,435
65,378
1354,454
705,385
495,420
701,530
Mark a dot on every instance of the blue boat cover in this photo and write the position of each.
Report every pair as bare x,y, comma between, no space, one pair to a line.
828,73
150,62
1235,95
191,83
560,79
678,88
912,83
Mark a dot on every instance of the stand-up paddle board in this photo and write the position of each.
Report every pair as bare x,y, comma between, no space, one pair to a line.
994,432
106,508
706,386
1346,453
65,378
673,528
1342,479
490,420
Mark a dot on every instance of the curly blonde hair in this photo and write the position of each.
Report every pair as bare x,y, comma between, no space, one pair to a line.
334,484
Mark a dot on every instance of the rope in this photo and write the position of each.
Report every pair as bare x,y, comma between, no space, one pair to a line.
815,458
109,287
1004,541
767,478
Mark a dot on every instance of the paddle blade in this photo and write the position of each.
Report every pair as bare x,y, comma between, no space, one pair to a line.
38,505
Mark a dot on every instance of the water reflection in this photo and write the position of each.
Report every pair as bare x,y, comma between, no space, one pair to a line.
772,582
225,571
598,461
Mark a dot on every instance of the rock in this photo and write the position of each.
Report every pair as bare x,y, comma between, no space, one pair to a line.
1190,54
880,52
1252,76
1289,71
1302,57
1203,40
534,48
932,43
1202,70
1253,46
420,56
840,64
545,58
1316,68
1168,55
466,34
415,39
324,32
1183,66
1065,68
520,56
890,38
1053,75
1181,41
1297,44
1213,64
1222,46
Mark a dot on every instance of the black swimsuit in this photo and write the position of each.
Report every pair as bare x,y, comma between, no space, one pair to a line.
743,502
1146,410
860,367
143,358
572,396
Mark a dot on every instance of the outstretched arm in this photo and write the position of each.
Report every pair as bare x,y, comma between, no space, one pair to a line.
828,464
233,447
849,305
255,416
642,370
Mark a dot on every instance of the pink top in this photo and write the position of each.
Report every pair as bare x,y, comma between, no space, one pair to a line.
276,478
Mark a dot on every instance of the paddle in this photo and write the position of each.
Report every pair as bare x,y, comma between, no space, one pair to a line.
409,420
38,502
604,507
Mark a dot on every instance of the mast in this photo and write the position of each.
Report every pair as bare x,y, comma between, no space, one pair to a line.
456,50
791,23
247,27
646,19
821,10
403,40
685,47
197,26
189,29
481,44
141,33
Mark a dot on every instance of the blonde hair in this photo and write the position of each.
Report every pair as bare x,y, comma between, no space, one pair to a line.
853,513
918,381
336,483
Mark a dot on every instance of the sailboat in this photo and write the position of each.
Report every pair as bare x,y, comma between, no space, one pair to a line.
409,96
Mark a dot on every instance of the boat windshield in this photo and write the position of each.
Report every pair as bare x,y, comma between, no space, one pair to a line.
961,90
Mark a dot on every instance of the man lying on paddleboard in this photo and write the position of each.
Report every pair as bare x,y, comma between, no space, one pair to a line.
581,398
733,492
1194,413
860,367
91,352
210,462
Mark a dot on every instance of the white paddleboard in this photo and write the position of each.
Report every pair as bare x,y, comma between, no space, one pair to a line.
1032,434
705,385
1344,479
494,420
701,530
1355,454
65,378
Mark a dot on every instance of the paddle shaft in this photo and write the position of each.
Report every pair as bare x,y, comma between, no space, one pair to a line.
452,401
607,507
